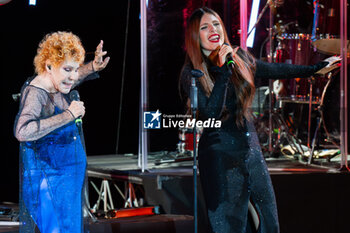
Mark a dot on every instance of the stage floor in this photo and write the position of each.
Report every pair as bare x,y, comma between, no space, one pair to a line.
164,162
138,224
310,198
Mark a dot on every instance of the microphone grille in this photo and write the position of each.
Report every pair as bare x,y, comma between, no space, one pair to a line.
74,95
197,73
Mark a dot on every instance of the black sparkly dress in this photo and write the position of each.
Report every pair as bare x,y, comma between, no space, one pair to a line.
232,168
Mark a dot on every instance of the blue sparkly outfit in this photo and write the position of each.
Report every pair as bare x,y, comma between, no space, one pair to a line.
232,168
53,176
52,163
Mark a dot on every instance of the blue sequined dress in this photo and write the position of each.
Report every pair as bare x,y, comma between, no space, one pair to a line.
232,168
52,163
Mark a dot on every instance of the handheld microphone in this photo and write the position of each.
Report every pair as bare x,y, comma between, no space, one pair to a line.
229,59
74,95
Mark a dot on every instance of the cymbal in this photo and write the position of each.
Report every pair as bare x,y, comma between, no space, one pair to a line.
329,46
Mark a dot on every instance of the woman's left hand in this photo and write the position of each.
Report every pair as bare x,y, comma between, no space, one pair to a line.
333,62
98,62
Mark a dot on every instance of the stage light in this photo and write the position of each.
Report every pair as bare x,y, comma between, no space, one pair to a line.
3,2
32,2
252,21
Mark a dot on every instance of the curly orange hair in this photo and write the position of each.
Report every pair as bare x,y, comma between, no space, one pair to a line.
57,47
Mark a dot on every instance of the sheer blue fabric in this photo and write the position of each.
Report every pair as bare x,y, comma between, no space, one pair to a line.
53,171
53,180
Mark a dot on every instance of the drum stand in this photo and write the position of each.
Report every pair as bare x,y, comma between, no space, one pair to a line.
319,118
319,121
311,80
283,132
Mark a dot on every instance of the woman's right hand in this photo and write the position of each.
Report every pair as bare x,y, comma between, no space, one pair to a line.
223,52
77,108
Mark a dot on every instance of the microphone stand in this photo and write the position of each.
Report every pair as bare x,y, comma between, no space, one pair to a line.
194,106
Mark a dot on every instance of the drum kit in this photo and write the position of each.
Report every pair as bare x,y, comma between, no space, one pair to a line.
305,111
185,145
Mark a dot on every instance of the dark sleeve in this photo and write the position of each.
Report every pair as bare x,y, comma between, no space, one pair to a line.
212,106
265,70
89,77
92,76
86,73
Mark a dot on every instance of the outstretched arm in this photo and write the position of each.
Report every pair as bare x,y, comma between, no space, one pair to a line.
267,70
96,65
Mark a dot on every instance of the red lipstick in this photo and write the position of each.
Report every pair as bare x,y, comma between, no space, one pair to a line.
215,38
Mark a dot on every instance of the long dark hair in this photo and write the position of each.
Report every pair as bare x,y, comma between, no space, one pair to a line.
242,78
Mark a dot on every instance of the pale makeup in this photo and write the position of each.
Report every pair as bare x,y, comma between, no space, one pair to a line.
64,76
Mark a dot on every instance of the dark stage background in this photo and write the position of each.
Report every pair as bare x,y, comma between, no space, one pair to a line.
23,26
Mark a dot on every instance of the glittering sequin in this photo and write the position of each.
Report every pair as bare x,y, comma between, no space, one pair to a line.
231,164
52,164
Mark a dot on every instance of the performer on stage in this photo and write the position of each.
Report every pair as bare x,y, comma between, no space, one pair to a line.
52,156
233,172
